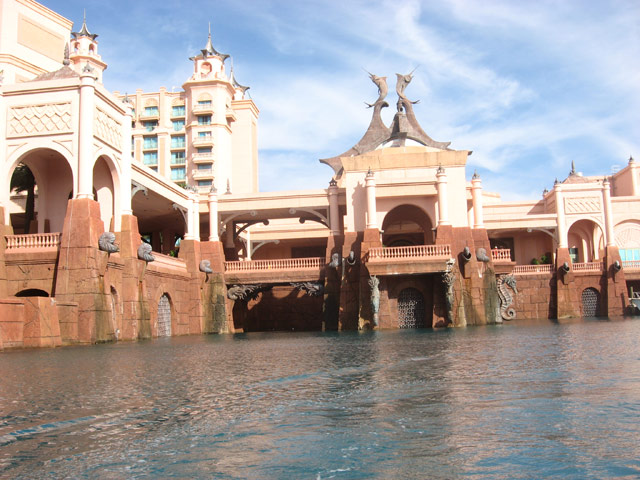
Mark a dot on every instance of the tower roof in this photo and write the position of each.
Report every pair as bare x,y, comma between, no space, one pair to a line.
209,51
235,83
84,31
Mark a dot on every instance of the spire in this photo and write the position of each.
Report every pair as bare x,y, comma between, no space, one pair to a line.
235,83
209,51
573,168
84,31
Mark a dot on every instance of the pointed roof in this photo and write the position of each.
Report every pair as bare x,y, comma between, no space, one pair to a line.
84,31
64,72
235,83
209,51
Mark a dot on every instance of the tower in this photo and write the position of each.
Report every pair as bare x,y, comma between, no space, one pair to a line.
83,51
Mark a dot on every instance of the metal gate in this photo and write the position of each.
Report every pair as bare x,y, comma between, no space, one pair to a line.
590,302
164,316
411,311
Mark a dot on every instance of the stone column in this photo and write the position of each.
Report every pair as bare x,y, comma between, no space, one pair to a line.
213,215
633,167
476,194
195,198
334,208
190,233
608,213
563,241
125,163
443,205
370,186
228,241
85,136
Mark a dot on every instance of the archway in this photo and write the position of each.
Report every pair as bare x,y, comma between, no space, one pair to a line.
54,180
411,309
586,241
32,292
590,302
407,225
164,316
628,240
103,186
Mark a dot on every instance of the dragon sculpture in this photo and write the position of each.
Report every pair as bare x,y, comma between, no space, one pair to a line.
506,311
311,289
246,292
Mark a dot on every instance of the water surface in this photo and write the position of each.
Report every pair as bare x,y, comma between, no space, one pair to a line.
534,400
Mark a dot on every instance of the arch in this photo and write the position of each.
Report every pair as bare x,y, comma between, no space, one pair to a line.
151,102
627,238
164,316
585,240
32,292
106,182
55,177
177,102
411,308
590,302
407,224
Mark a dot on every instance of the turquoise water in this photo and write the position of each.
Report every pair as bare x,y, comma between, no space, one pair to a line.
534,400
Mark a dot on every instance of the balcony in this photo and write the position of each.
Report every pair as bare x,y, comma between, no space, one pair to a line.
533,270
202,173
230,115
415,259
275,271
202,157
150,115
501,255
202,109
205,141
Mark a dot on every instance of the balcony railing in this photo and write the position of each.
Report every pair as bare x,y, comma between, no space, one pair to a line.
203,108
202,141
588,267
33,241
202,157
169,261
410,252
501,254
532,269
632,265
277,264
202,173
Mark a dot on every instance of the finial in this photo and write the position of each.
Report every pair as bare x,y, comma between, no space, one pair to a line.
213,189
631,160
544,192
440,169
573,169
66,60
84,31
228,192
555,182
369,173
87,68
475,175
333,183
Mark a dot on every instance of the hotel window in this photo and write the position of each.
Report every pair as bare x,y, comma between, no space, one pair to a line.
150,158
629,254
178,173
205,183
177,111
150,111
150,125
177,158
204,166
177,141
205,134
177,125
204,102
204,150
204,119
150,142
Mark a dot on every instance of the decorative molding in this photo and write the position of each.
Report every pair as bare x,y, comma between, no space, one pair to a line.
34,120
627,235
579,205
108,129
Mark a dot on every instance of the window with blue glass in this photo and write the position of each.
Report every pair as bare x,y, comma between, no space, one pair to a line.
178,125
150,142
150,111
177,111
629,254
150,158
204,102
204,150
178,173
177,157
204,166
177,141
205,183
150,125
204,119
205,134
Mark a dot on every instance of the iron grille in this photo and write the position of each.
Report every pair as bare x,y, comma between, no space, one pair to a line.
590,302
164,317
411,311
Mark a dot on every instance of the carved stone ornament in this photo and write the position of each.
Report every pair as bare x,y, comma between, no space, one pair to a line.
351,259
481,255
246,292
335,260
506,299
311,289
205,266
106,243
374,284
144,252
448,280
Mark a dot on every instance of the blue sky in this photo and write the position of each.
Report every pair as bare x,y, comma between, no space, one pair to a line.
529,86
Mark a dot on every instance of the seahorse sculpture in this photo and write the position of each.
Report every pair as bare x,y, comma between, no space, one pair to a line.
106,242
506,311
448,279
144,252
374,283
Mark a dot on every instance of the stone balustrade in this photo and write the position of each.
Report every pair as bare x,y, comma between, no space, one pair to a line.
33,241
501,254
276,264
168,261
632,265
532,269
588,267
409,252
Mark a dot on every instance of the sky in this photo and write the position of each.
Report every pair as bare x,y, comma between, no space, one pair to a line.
528,86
